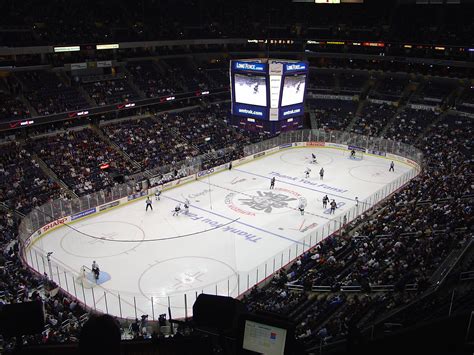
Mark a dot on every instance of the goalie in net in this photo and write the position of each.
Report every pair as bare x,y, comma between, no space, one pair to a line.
89,277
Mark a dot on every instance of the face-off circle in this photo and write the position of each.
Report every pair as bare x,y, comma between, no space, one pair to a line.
176,276
102,245
371,173
263,201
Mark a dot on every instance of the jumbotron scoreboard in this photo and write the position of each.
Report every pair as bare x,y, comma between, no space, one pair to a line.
268,94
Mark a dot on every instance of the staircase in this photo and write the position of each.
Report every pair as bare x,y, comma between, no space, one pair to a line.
452,97
357,114
389,124
137,166
25,102
337,83
428,129
418,88
132,84
408,92
51,174
21,96
369,85
436,280
183,140
313,120
86,96
459,94
4,206
63,78
164,69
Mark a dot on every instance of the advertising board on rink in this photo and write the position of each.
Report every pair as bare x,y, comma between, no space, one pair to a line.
315,144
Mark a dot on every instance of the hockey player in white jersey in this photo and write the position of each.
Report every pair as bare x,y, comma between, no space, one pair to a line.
157,195
307,171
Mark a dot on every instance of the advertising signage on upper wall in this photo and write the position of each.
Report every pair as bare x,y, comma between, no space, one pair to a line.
254,67
249,111
291,111
295,67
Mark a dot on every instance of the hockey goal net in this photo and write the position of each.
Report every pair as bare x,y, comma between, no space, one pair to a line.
86,277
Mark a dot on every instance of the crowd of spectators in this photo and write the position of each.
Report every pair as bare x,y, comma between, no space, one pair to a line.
64,316
107,92
403,243
149,141
390,87
172,138
23,185
373,118
454,296
11,108
466,102
323,81
81,159
218,77
411,234
148,78
409,124
333,114
48,94
191,77
352,82
433,92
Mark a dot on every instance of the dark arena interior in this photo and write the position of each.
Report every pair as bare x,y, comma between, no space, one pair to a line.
135,103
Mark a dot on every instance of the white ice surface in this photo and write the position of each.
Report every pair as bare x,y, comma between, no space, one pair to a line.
235,225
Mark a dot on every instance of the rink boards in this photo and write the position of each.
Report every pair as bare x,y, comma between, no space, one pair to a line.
237,231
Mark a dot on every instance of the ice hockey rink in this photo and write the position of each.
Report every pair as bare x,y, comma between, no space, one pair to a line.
237,232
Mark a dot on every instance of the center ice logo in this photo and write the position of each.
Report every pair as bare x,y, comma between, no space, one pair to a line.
251,202
267,201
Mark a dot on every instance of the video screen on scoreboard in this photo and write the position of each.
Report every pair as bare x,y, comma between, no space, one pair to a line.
250,89
293,90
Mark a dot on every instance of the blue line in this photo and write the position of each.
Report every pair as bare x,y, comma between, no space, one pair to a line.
245,224
289,183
